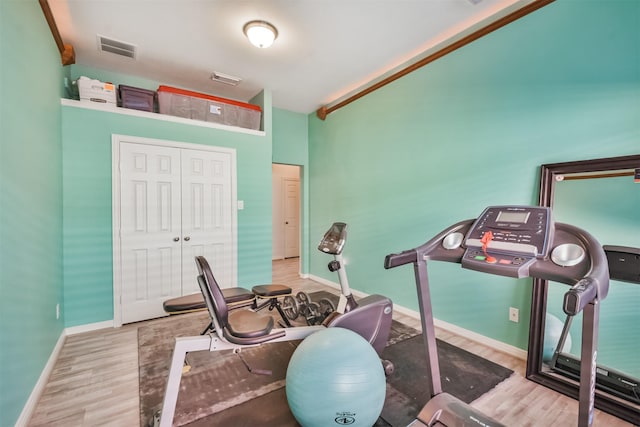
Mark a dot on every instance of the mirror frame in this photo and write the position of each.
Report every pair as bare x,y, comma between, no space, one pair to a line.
548,174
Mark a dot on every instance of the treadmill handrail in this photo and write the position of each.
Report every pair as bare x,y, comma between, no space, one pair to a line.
419,252
599,273
596,274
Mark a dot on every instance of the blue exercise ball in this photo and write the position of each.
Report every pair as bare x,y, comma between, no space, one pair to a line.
552,332
335,378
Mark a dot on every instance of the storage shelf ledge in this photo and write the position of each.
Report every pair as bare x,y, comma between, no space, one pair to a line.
156,116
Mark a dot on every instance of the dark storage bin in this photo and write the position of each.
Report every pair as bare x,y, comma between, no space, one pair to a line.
136,98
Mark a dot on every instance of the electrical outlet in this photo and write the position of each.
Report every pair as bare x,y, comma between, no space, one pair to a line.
514,314
57,311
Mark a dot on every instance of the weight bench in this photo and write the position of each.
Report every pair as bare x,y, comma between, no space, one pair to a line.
235,298
271,293
232,330
238,329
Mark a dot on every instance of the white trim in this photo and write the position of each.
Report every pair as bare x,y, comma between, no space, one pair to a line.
449,327
115,230
470,335
36,393
89,327
335,285
116,140
322,280
156,116
34,397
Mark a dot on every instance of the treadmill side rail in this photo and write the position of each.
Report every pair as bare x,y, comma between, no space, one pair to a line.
447,410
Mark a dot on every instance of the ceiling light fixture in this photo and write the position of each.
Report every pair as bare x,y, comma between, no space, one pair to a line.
260,33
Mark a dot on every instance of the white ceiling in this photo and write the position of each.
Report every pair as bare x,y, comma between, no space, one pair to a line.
325,49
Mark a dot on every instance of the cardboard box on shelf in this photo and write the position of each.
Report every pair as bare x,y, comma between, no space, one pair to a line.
92,90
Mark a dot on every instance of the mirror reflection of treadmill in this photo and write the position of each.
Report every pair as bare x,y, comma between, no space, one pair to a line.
624,266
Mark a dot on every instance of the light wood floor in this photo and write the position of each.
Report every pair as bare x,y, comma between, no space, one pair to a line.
95,380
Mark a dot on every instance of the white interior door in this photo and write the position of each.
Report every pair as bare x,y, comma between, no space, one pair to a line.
206,217
291,218
150,229
172,201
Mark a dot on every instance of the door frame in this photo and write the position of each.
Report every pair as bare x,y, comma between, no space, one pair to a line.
277,198
283,187
116,140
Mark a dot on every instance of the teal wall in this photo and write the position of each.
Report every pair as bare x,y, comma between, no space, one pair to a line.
30,201
290,137
88,256
398,165
291,147
78,70
471,130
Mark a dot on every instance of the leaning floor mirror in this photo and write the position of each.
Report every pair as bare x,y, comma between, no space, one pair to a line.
600,196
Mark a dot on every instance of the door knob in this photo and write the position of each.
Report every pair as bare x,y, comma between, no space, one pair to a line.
176,239
186,239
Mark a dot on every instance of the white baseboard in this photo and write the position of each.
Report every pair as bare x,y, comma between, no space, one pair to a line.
30,405
449,327
470,335
89,327
334,285
32,401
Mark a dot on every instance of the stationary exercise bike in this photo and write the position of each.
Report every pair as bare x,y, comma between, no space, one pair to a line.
316,312
332,243
374,312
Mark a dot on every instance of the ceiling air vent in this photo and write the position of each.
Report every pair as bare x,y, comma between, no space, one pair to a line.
106,44
225,78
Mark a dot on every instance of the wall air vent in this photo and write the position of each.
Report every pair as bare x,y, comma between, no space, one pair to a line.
225,78
106,44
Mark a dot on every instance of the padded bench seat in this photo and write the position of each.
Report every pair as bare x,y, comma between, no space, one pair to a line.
270,291
195,302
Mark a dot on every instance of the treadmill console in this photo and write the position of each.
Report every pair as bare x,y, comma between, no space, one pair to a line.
334,239
506,240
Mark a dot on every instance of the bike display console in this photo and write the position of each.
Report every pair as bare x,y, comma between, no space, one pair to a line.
506,240
334,239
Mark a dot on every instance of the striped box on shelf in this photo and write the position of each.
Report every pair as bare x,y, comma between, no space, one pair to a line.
200,106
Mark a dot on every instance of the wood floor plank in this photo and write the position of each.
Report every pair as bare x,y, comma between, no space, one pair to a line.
95,379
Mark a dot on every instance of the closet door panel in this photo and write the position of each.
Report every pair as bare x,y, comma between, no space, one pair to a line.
150,232
207,215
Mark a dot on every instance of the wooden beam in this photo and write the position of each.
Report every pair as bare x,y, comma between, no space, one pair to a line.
531,7
67,54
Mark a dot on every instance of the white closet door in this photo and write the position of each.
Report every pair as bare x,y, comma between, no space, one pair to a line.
207,206
151,236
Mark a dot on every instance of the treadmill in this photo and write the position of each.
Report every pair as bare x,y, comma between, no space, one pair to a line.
624,265
519,242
